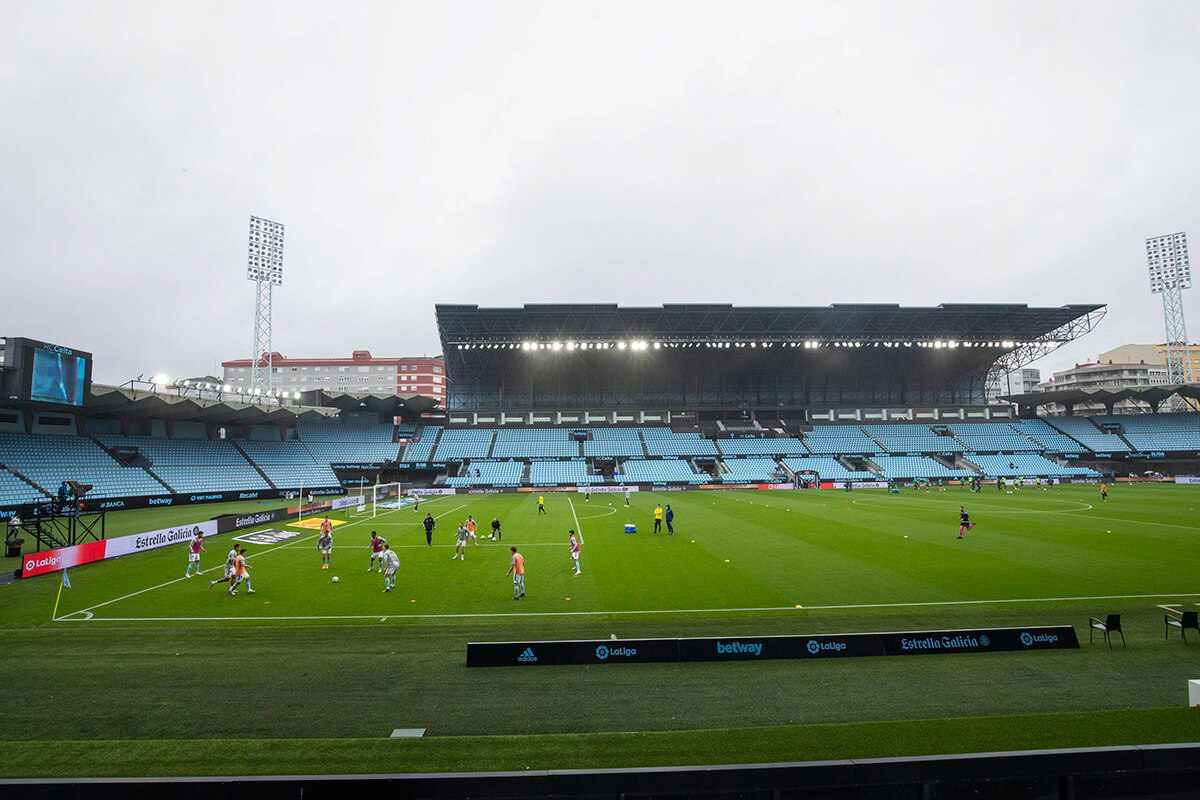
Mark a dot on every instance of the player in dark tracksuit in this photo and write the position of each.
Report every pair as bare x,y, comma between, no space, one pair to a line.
964,521
669,517
429,525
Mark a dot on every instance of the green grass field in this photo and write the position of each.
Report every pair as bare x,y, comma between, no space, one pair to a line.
139,658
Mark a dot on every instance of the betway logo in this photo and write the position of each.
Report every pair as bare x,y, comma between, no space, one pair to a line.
527,657
34,562
739,647
161,501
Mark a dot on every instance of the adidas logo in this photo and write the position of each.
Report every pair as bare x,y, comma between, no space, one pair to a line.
527,656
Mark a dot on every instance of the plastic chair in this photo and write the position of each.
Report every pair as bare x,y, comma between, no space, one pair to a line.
1110,625
1190,619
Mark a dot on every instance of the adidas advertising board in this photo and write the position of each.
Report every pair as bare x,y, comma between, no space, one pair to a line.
756,648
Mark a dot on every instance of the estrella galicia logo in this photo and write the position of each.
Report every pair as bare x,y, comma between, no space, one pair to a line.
984,641
527,657
814,646
1026,639
601,652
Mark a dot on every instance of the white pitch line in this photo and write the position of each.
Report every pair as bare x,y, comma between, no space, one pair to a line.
211,569
1005,509
578,527
631,613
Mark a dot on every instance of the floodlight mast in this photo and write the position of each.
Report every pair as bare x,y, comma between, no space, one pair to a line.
1170,274
264,266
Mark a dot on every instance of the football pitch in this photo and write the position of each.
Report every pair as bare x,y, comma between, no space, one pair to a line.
138,660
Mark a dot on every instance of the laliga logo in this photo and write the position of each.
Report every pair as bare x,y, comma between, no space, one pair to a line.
813,646
1026,639
602,652
984,641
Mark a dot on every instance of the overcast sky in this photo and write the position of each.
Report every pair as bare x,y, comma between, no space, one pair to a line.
500,153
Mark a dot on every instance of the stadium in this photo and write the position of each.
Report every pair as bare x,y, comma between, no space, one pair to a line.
771,504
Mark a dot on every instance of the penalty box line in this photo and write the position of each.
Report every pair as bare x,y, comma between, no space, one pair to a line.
483,615
211,569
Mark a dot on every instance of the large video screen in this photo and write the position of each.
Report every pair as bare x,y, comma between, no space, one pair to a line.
58,378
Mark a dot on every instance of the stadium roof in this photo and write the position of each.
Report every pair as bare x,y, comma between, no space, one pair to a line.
470,325
126,403
1153,395
169,403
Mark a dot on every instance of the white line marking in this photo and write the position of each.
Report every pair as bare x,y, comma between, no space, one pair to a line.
605,513
578,527
631,613
212,569
1072,511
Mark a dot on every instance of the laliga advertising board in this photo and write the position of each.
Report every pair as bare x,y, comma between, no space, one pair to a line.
86,553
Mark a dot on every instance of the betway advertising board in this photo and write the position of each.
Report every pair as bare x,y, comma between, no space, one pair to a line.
761,648
66,557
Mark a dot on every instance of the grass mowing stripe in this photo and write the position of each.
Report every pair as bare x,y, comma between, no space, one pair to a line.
213,757
684,611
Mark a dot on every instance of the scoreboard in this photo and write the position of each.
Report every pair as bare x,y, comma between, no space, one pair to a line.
41,372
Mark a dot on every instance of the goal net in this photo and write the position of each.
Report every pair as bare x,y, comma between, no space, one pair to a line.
374,500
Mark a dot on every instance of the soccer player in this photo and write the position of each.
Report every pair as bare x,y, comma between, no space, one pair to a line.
541,505
230,566
416,503
517,570
658,515
194,550
587,494
460,546
496,536
377,543
574,551
391,563
325,547
964,522
627,497
326,526
241,574
1104,493
669,517
429,524
471,529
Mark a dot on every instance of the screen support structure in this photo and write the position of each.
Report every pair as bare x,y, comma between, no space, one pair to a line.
264,267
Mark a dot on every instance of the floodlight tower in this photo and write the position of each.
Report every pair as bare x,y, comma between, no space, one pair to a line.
265,268
1170,274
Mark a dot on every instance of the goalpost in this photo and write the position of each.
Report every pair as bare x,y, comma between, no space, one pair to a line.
377,499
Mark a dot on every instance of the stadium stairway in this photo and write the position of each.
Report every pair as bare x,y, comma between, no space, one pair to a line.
146,464
492,443
642,441
257,468
24,479
867,433
526,478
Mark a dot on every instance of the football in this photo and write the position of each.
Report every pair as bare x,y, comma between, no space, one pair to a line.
335,578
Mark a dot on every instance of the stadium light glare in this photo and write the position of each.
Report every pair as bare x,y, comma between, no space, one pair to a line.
557,345
295,395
